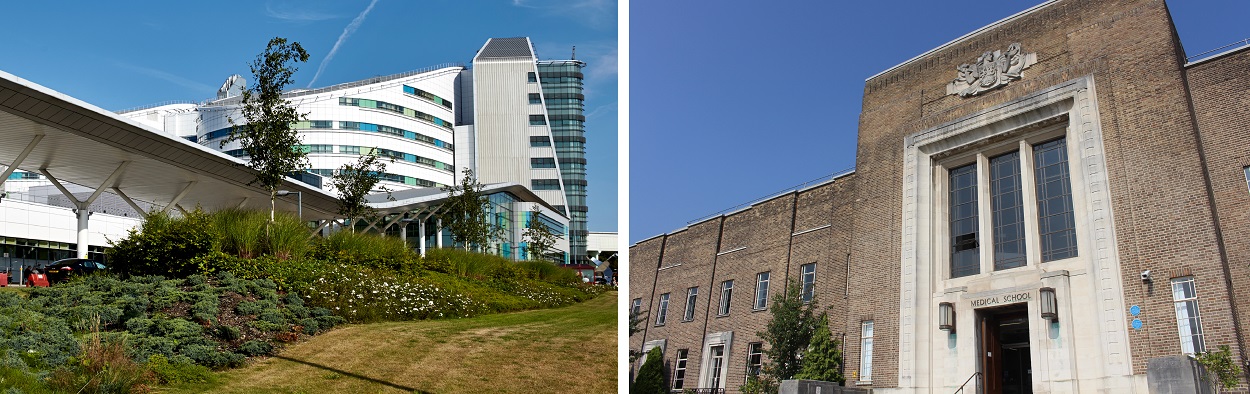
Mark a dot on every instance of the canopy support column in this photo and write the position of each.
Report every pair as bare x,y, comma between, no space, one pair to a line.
20,158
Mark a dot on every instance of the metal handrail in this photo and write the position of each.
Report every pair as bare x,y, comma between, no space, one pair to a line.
974,374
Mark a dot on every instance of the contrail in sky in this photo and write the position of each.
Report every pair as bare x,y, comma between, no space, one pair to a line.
347,31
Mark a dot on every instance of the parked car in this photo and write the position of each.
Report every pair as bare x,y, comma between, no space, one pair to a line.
63,269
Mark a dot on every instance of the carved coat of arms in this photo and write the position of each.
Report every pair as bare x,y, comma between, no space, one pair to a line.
991,70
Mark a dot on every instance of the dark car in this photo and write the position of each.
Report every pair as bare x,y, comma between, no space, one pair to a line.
63,269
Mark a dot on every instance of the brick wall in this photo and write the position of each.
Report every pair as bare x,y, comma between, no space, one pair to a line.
1163,212
1220,90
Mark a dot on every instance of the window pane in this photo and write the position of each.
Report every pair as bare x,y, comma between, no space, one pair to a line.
809,281
965,251
691,295
726,294
659,320
1008,210
761,290
1188,320
1056,223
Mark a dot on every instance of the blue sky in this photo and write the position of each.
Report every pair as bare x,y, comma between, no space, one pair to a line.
119,55
738,101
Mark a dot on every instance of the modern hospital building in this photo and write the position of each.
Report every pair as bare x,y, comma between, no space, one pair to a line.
1054,203
515,120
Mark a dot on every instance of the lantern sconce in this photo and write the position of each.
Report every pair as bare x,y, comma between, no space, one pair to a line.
946,317
1050,308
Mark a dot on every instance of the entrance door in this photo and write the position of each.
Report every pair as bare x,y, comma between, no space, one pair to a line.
1005,361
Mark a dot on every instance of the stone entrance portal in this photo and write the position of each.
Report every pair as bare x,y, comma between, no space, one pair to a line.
1004,344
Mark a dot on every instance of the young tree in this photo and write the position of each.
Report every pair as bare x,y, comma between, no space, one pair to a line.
651,379
537,236
789,333
267,138
823,359
465,213
354,181
635,319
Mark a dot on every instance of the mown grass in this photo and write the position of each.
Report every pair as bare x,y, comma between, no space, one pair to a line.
570,349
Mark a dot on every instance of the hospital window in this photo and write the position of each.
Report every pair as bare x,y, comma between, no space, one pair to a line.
1188,321
1051,196
692,294
679,370
659,320
865,351
809,281
761,290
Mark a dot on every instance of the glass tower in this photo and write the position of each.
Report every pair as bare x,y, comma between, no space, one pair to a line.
561,82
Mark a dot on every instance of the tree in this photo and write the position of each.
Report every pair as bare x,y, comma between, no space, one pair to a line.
465,213
271,144
789,333
635,318
823,359
356,180
651,379
538,236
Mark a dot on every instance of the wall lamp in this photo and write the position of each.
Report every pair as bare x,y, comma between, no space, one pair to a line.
946,317
1049,307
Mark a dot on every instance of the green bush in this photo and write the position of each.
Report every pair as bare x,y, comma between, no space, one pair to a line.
241,232
651,379
256,348
164,245
102,367
287,237
366,250
178,371
467,264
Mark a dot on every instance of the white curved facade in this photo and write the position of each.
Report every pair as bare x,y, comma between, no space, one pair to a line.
408,117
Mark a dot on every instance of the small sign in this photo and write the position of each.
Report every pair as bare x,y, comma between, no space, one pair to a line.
1134,310
1137,324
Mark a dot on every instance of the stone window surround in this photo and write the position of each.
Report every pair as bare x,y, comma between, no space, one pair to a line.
724,338
923,274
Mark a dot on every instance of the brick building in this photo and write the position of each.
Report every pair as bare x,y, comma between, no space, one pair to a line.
1052,201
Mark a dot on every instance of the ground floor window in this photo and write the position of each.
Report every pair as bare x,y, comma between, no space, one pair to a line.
865,351
679,370
755,358
1188,322
718,364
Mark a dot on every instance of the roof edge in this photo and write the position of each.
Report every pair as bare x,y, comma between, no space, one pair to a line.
964,37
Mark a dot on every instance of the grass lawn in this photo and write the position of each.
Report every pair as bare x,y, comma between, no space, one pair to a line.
570,349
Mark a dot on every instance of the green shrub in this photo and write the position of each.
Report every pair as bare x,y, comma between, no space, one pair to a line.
366,250
178,371
228,333
287,237
241,232
39,340
549,272
651,379
209,356
102,367
467,264
256,348
164,245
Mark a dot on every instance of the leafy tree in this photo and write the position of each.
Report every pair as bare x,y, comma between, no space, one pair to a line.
635,318
465,213
651,379
354,181
789,333
823,359
271,144
539,239
1220,367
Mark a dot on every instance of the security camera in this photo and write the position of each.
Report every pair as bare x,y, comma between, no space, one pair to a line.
1145,276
